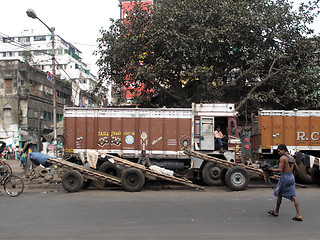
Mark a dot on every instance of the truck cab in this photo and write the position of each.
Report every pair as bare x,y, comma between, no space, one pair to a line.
205,119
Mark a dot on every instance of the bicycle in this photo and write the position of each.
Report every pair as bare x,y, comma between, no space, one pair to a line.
12,184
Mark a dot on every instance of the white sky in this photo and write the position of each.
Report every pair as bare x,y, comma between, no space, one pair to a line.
77,22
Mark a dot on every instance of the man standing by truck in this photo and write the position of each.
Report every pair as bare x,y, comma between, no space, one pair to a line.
286,185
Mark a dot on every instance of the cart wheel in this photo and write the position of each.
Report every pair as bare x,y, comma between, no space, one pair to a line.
132,180
86,184
211,174
110,168
72,181
13,186
237,178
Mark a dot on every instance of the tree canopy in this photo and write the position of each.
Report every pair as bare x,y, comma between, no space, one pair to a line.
254,53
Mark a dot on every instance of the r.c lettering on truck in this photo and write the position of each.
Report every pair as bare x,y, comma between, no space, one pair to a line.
301,136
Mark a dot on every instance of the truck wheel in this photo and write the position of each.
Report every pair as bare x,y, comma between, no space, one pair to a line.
315,175
223,176
110,168
132,180
237,178
211,174
72,181
303,174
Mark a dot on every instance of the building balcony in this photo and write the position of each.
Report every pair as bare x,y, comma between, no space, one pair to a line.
46,96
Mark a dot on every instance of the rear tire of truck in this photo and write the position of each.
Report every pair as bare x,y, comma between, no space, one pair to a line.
223,176
315,175
303,174
72,181
211,174
237,178
132,180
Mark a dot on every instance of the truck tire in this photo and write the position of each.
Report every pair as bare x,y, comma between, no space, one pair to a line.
237,178
110,168
304,174
132,180
72,181
223,176
211,174
315,175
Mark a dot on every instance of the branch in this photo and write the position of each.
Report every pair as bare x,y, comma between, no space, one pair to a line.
270,74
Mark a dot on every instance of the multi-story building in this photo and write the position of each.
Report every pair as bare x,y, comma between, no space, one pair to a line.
26,109
69,64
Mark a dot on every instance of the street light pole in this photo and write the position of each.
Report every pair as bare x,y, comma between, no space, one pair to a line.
33,15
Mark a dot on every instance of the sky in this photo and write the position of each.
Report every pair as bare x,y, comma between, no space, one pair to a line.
77,22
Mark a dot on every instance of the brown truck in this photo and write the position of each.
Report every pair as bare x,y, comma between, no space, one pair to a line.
162,132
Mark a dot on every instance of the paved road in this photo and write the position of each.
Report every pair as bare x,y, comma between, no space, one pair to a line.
182,213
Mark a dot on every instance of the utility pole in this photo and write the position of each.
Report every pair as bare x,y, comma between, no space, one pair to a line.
33,15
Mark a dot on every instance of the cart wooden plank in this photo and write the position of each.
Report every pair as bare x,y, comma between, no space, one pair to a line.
226,164
85,171
128,164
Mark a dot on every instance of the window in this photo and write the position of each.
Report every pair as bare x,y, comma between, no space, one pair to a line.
38,53
8,83
47,116
7,113
7,39
233,128
39,38
24,39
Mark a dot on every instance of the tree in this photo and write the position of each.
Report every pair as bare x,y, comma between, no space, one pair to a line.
255,53
27,57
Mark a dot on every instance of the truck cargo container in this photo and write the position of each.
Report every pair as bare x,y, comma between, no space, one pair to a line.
299,130
162,132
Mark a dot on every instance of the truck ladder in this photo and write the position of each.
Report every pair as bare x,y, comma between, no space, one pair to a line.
129,164
84,170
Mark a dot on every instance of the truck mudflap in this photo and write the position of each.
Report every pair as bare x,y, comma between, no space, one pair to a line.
149,172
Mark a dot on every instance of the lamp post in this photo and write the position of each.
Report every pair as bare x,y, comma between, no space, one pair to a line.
33,15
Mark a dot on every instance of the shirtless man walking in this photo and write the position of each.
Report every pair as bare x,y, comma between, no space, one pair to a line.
286,185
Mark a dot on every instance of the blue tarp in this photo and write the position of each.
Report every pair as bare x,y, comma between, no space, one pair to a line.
39,158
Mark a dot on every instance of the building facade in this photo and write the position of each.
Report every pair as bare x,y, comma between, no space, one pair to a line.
26,107
69,64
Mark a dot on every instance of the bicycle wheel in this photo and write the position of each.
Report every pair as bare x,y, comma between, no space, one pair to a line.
7,169
13,186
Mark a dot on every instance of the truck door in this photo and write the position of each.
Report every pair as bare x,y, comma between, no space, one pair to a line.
207,136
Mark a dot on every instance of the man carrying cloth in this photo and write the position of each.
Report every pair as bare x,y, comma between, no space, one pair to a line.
286,185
